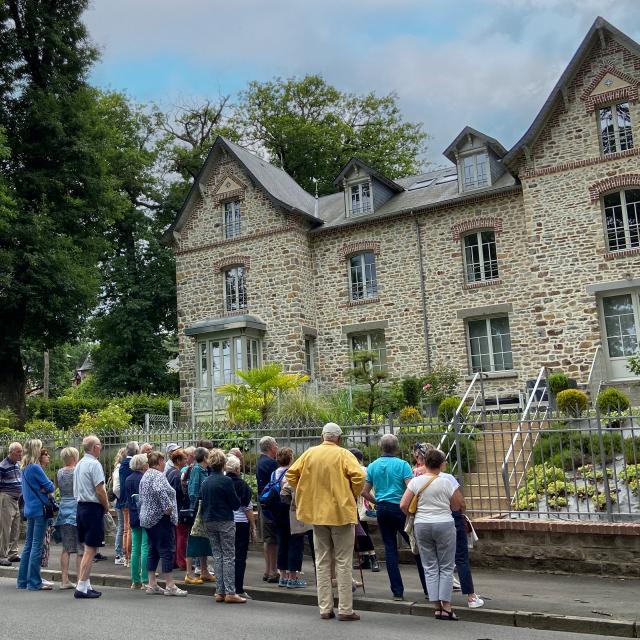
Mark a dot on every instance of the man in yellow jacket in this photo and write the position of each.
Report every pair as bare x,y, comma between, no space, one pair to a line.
328,481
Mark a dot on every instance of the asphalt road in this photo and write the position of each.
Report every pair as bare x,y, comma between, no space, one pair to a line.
128,615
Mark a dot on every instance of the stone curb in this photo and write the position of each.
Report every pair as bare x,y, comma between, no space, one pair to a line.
525,619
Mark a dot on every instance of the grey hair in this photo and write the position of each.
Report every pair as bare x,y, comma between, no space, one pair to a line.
267,443
389,443
201,454
132,448
232,464
89,442
330,437
13,446
138,461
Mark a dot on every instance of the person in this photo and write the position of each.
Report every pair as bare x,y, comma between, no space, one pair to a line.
388,476
36,488
197,546
245,521
66,520
435,530
10,493
365,548
158,515
146,447
139,539
115,487
265,466
89,491
219,501
328,481
170,448
463,566
132,449
290,547
178,459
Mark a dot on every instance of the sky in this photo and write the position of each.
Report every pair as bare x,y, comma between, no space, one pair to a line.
489,64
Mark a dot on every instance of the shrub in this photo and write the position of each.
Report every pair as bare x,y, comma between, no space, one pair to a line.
410,415
412,391
631,450
8,418
111,418
558,382
448,408
572,402
39,426
302,406
612,400
440,383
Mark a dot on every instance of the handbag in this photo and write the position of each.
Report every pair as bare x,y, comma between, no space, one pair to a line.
108,522
472,536
50,507
186,516
411,519
198,529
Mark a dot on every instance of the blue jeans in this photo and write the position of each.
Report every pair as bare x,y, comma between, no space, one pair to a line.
119,532
391,523
29,572
462,554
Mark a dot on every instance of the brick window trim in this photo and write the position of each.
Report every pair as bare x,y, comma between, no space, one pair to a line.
229,196
233,261
481,284
623,253
237,194
353,248
614,182
458,230
628,93
358,303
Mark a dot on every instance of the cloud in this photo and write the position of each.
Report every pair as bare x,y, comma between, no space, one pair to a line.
486,63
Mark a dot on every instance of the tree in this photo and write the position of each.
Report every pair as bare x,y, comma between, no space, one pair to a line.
137,301
311,129
52,225
365,372
253,399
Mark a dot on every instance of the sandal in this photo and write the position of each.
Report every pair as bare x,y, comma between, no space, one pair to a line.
437,614
448,615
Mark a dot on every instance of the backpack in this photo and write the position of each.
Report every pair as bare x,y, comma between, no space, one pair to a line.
269,499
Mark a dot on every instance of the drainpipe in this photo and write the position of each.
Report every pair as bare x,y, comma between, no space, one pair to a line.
425,322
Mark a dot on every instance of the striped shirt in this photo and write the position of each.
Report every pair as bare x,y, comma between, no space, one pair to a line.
10,481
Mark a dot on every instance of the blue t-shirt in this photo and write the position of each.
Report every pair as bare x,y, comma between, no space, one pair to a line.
387,475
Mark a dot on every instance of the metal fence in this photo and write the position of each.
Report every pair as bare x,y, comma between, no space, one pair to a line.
547,467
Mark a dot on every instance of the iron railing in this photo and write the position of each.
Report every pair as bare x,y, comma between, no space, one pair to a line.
597,374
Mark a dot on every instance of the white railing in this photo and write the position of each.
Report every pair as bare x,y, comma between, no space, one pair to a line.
597,374
536,409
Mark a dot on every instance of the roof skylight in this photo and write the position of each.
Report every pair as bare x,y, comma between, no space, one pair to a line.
449,178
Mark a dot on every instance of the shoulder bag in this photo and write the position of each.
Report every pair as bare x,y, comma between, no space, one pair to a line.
50,507
411,518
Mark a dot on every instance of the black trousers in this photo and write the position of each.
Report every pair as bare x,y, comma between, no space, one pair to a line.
161,545
242,547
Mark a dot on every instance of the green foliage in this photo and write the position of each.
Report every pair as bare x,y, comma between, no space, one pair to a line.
302,405
448,407
558,381
422,433
40,427
572,402
410,415
612,400
340,408
364,372
253,400
633,364
412,391
631,449
88,388
112,418
8,418
600,500
558,502
440,383
311,129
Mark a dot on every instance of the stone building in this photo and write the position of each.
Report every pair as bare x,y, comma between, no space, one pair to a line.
505,261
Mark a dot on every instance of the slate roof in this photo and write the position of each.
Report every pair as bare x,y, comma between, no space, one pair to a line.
492,143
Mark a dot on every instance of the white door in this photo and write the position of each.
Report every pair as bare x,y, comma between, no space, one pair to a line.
620,328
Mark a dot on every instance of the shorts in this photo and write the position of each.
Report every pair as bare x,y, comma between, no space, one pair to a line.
70,542
269,535
90,524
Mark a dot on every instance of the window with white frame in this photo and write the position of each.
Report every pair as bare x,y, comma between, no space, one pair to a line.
490,344
310,356
219,359
363,282
361,202
622,219
235,292
480,258
615,128
232,219
371,341
475,170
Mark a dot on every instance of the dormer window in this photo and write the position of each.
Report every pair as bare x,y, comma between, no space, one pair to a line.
475,171
615,128
361,202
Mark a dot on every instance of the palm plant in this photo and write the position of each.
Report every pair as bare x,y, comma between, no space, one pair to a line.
253,399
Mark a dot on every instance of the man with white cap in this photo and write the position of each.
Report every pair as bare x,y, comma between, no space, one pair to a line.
171,447
328,480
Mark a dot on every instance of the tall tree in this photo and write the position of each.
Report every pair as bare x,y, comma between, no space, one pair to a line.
54,170
311,129
137,302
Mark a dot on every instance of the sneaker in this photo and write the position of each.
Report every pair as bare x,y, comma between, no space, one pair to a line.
282,582
46,583
274,579
456,584
99,557
296,583
86,596
156,590
5,563
245,595
175,591
196,571
119,560
15,558
398,598
475,603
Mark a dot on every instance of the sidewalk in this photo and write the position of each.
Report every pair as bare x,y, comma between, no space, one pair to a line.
556,602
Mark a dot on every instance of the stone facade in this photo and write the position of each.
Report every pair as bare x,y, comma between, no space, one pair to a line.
550,240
